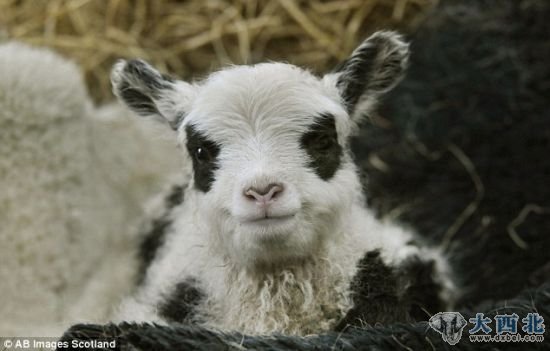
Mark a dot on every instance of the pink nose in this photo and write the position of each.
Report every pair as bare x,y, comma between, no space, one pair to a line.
266,195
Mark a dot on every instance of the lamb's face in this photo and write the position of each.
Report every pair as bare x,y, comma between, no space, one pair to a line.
268,143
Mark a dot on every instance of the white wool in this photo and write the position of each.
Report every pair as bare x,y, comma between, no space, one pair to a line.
72,180
303,299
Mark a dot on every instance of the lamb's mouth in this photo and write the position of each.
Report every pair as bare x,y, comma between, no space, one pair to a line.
270,220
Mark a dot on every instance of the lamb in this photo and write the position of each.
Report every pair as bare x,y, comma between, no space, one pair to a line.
269,232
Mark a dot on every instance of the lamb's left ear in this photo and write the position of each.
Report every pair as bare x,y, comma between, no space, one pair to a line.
373,69
149,93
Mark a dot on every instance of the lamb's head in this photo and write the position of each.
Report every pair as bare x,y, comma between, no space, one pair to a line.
273,175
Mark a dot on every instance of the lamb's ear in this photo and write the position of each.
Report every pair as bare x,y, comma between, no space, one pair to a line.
373,69
149,93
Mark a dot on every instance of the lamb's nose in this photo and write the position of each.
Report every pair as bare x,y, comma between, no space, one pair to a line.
264,195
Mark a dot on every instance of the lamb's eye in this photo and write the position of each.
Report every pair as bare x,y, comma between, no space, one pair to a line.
324,142
321,144
320,141
203,152
203,155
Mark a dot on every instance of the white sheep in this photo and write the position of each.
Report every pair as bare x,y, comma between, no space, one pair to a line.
71,187
273,234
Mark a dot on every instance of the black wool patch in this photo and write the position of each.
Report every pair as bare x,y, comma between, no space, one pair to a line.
321,144
374,291
204,153
175,197
179,306
154,238
385,295
421,291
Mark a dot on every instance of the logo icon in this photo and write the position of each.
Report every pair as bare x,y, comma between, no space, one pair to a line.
449,325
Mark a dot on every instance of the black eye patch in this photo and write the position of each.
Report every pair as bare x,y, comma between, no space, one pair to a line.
204,153
321,144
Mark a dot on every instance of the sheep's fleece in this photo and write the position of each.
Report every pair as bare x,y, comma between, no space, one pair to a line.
71,180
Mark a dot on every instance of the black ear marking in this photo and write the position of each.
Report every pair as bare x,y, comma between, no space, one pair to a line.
321,144
146,91
374,68
139,84
353,80
149,79
136,100
197,145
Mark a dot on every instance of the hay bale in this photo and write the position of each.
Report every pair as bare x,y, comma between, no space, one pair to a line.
192,37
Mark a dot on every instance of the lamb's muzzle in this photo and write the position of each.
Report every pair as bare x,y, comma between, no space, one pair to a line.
263,198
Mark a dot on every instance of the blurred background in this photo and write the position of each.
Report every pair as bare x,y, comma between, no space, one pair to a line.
190,38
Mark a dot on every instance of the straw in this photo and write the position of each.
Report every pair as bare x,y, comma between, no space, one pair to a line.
190,38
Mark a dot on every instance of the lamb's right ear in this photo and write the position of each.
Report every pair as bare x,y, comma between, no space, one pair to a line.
149,93
374,68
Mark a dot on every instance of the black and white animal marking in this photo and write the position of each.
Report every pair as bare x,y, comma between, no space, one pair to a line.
274,234
157,229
